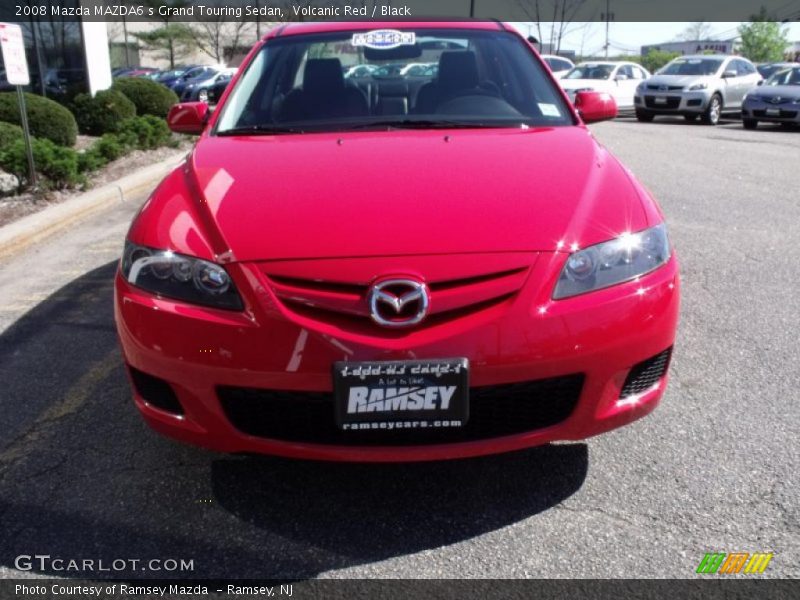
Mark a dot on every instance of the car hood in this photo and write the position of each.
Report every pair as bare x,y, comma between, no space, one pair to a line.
679,80
773,91
411,192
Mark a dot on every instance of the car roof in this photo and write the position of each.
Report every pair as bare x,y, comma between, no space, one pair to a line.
306,27
696,56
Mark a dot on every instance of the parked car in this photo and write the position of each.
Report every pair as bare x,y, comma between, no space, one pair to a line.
169,77
293,288
192,75
705,86
359,71
614,77
767,69
777,100
216,89
559,65
197,88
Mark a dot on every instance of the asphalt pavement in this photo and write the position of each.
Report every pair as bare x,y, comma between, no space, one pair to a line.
714,468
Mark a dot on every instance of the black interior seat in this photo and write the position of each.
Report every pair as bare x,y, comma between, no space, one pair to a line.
458,74
324,94
393,98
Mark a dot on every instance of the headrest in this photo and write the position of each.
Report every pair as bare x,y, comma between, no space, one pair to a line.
323,75
458,70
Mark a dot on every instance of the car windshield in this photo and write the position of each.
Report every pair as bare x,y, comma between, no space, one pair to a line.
590,71
692,66
467,78
787,77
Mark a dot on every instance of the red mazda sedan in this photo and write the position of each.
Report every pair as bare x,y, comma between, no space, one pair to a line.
407,264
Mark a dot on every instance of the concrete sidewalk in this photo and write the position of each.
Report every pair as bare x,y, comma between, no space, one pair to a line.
19,235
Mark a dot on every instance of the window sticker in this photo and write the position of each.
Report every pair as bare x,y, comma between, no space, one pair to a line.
548,110
384,39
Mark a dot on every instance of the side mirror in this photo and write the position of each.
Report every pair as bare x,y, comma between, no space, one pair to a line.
595,106
729,74
188,117
621,77
760,82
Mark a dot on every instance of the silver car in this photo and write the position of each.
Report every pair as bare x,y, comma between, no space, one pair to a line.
777,100
703,85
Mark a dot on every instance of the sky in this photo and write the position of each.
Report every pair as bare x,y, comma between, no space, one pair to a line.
628,37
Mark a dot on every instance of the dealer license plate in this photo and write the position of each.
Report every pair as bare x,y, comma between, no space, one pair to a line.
773,112
660,100
405,394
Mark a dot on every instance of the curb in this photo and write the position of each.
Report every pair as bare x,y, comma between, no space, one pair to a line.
39,226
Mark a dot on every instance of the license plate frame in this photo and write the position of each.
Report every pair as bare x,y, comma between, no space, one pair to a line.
410,394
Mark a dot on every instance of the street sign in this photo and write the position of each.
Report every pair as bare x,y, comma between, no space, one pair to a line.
13,46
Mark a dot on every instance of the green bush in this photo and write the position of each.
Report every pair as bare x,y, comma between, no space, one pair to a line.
148,132
57,164
150,98
9,134
104,113
90,160
110,147
46,119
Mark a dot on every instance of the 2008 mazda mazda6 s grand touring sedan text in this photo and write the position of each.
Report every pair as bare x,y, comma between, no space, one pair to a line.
399,267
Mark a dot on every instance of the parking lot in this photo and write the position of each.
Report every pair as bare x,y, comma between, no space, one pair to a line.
715,468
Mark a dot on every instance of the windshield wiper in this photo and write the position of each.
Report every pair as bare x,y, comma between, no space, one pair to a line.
260,130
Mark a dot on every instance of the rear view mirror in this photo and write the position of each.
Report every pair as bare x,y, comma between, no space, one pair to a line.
398,54
188,117
595,106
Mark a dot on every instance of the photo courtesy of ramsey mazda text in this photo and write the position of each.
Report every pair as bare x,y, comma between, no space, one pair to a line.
429,266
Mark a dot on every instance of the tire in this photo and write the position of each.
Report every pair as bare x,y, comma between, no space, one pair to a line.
644,117
713,111
690,118
749,123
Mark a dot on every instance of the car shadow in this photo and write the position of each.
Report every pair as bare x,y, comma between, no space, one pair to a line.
81,476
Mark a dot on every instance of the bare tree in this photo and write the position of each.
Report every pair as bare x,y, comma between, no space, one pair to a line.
699,30
219,38
561,14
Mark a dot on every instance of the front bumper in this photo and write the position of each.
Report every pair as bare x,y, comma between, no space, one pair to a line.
527,338
788,112
672,102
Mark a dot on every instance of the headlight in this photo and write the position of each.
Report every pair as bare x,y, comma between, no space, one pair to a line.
179,276
697,86
622,259
640,87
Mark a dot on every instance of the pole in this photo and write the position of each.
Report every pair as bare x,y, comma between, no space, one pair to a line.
608,21
472,8
23,113
125,34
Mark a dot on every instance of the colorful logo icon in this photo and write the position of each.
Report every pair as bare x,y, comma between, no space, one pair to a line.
734,562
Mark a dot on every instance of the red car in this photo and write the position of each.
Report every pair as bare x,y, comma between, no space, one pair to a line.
396,269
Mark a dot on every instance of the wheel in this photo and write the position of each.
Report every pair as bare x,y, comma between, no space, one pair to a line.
713,110
644,117
749,123
690,118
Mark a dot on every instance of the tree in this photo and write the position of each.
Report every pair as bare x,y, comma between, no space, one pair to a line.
219,38
171,41
699,30
655,59
561,13
763,40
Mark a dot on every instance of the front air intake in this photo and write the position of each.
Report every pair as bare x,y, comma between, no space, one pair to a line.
646,374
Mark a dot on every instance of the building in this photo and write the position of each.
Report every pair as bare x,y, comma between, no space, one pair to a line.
694,47
65,57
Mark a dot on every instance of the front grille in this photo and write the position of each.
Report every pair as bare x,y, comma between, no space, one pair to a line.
672,102
784,114
345,302
155,391
646,374
669,88
495,411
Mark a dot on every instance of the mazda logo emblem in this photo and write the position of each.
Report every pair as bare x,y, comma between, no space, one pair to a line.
398,302
663,88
